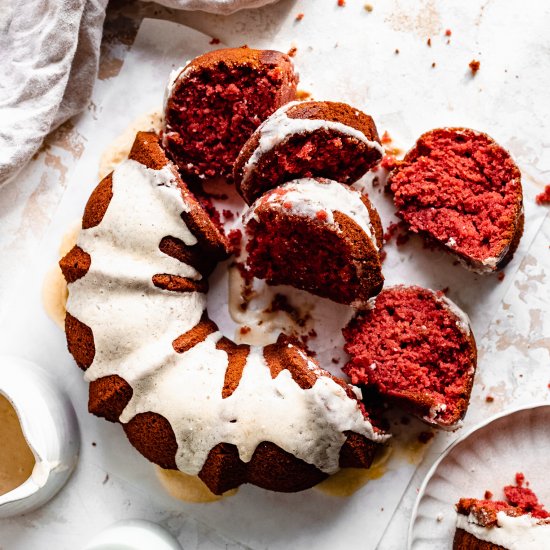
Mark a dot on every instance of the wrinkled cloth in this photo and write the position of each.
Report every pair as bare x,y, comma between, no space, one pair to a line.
48,66
223,7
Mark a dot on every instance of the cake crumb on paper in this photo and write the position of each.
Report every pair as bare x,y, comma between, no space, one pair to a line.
474,66
544,197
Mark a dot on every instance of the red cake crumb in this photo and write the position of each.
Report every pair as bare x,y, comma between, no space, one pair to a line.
474,66
500,276
520,500
388,162
292,51
299,16
228,214
341,3
429,42
489,399
215,41
448,32
245,329
386,138
235,237
396,229
461,191
335,361
433,65
544,197
410,349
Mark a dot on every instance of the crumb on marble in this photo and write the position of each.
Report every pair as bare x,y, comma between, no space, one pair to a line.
299,16
488,495
474,66
292,51
448,32
369,7
245,329
433,65
489,399
500,276
386,138
341,3
544,197
396,51
335,360
429,42
214,41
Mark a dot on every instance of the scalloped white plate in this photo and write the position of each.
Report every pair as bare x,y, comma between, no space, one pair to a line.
485,458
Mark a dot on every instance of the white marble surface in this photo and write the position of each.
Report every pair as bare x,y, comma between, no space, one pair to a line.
507,98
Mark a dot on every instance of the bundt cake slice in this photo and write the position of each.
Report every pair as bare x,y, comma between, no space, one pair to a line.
187,397
414,348
519,522
316,235
462,191
307,139
217,100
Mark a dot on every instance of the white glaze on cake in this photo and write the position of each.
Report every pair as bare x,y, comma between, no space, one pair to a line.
134,324
279,127
308,196
513,533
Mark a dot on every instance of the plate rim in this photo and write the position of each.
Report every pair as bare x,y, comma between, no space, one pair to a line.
455,443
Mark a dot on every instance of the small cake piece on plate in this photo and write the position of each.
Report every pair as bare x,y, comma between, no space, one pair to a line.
316,235
518,523
217,100
414,348
462,191
308,139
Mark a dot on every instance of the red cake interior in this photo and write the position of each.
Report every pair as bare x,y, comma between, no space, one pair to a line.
214,113
341,158
459,185
520,500
409,347
301,253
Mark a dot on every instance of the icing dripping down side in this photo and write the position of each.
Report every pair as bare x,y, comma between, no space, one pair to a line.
134,324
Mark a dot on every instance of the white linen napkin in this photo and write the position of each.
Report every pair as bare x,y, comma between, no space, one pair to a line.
48,65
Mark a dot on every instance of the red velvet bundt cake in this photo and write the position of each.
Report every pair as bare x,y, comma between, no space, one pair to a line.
317,235
414,348
462,191
308,139
187,397
217,100
518,523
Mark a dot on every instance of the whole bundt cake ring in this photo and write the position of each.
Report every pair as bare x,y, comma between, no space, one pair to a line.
188,397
